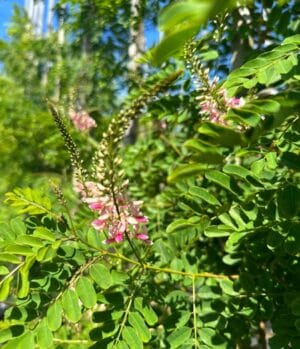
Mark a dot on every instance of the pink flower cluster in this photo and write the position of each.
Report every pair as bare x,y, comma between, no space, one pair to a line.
210,106
82,120
117,217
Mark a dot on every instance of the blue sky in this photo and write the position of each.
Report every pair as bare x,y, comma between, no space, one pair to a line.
6,8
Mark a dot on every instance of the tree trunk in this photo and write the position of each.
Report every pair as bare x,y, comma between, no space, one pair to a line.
135,50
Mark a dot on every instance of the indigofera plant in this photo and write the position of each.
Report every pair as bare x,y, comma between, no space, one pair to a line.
220,265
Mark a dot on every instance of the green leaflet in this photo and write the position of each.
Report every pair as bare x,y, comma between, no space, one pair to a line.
137,322
85,291
71,306
44,234
132,338
203,152
29,201
18,227
11,332
227,287
204,195
24,341
266,69
118,277
221,179
30,241
5,288
101,275
288,201
220,135
122,345
19,250
3,270
179,22
179,337
54,316
146,310
24,273
44,335
182,224
9,258
211,338
185,171
217,231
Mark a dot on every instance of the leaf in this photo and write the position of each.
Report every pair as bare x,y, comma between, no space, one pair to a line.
185,171
18,226
101,275
180,21
119,277
264,106
44,335
131,338
217,231
181,11
227,287
179,337
54,316
146,310
5,288
85,290
204,195
220,135
271,159
44,234
71,307
237,170
179,224
3,270
24,341
173,21
204,152
9,258
29,240
220,178
264,69
19,249
11,332
288,201
137,322
294,39
206,335
29,201
244,115
122,345
24,274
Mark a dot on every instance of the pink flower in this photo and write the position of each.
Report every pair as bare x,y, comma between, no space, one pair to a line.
82,120
216,111
96,206
116,216
99,224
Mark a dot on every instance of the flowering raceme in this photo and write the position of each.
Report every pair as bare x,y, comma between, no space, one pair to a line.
82,120
217,109
117,216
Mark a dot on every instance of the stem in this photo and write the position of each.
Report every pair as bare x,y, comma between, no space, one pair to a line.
131,298
7,276
71,341
124,318
194,314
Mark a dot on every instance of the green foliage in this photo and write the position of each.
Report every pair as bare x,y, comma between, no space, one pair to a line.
181,21
221,195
